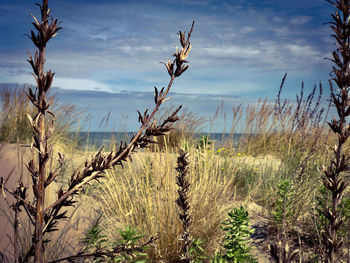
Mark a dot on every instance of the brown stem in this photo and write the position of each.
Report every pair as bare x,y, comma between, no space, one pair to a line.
106,254
42,147
15,232
332,178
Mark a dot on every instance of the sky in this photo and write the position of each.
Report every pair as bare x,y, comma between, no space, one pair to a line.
109,48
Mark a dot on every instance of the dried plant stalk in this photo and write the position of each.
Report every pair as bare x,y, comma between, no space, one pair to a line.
183,202
332,177
280,251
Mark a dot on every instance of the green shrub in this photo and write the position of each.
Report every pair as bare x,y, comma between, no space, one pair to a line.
283,206
95,241
235,242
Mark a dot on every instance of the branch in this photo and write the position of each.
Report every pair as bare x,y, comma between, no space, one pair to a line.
100,162
109,254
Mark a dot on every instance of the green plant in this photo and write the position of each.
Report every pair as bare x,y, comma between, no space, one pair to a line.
218,258
204,141
94,240
130,237
197,252
279,249
321,203
95,243
237,233
283,205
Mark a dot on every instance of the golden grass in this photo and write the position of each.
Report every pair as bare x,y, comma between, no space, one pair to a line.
144,193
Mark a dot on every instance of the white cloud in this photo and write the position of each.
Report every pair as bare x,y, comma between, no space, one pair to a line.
81,84
233,51
247,29
302,50
300,20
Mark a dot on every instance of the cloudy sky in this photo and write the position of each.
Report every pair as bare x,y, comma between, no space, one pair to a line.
240,50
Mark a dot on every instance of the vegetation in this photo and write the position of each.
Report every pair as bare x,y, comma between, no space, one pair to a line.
149,211
237,234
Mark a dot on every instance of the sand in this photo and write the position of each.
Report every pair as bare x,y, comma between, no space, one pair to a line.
13,158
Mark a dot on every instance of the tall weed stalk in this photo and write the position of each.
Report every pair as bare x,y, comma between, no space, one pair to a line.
332,177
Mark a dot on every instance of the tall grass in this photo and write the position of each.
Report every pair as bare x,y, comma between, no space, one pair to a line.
185,129
144,193
15,126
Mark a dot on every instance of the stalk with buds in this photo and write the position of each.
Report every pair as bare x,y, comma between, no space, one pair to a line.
332,177
184,205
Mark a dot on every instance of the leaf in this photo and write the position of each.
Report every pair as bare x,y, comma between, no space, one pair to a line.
30,119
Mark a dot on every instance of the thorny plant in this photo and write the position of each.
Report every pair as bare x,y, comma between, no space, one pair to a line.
44,217
332,177
280,252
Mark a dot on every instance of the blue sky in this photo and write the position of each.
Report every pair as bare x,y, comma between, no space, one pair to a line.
240,50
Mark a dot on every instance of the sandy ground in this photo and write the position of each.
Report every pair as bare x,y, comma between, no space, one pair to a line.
12,162
10,158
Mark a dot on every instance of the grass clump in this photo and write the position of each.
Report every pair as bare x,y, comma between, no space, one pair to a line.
146,190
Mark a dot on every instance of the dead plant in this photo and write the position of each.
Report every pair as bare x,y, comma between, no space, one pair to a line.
340,163
184,205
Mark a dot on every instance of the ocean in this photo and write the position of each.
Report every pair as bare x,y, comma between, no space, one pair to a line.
98,139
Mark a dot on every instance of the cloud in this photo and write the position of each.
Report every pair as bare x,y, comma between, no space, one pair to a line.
300,20
81,84
118,45
233,51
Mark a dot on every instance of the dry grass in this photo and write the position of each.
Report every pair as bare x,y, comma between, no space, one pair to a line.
144,193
